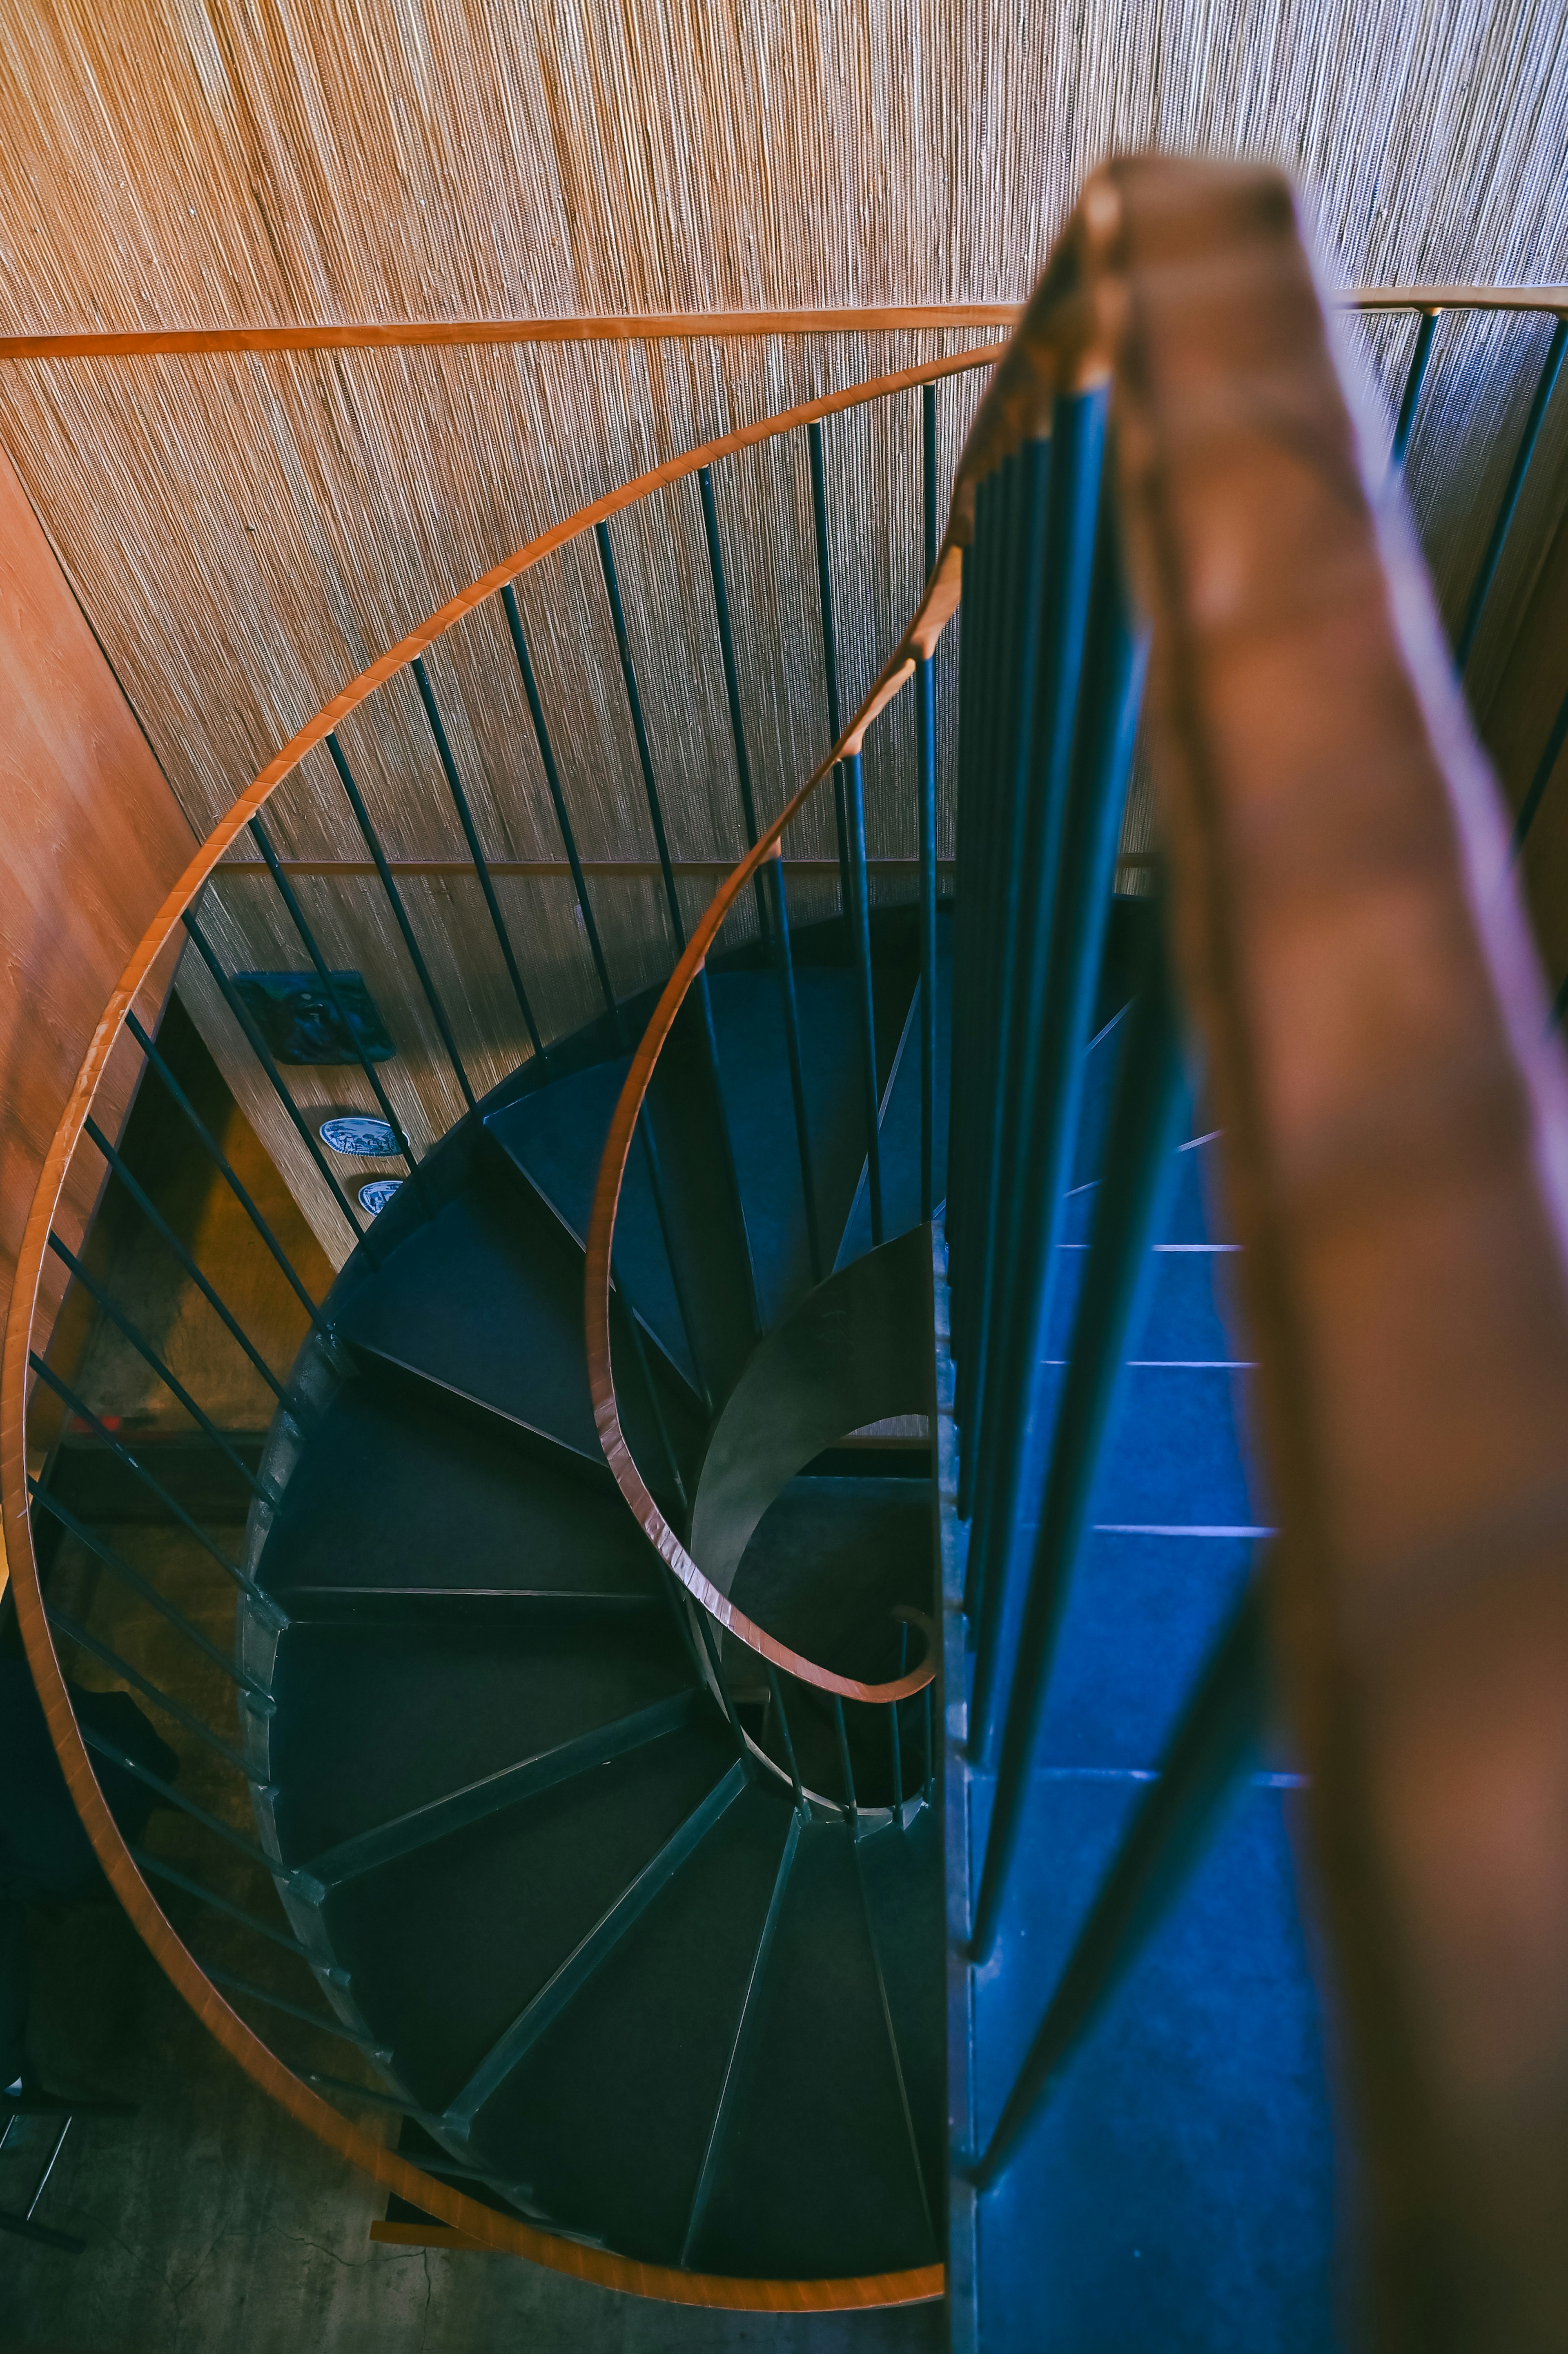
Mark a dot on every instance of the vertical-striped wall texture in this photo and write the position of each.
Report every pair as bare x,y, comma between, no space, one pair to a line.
249,532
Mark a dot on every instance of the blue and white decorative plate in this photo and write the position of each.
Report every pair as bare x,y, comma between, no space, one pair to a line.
359,1136
375,1196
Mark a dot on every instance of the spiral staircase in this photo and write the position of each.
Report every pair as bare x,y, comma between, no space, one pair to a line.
753,1664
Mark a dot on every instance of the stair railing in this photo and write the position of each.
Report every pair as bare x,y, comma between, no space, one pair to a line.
315,2055
1339,962
196,912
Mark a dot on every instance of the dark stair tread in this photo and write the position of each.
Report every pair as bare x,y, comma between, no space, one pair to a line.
448,1947
374,1720
819,2179
901,1874
899,1130
754,1058
394,1490
486,1302
605,2123
555,1137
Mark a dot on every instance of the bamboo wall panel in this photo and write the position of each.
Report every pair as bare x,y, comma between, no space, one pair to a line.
249,530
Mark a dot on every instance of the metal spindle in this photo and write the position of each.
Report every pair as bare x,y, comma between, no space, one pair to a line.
155,1867
715,1662
480,865
149,1355
783,953
167,1236
372,843
1022,605
802,1807
84,1413
324,2025
930,1748
974,645
640,730
1545,385
558,801
107,1657
854,799
215,1154
830,653
925,756
1415,376
851,1814
297,916
1551,753
172,1796
259,1047
1058,1030
1150,1102
1214,1746
639,1350
115,1562
893,1744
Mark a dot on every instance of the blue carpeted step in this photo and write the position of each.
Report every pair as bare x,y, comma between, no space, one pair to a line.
1176,2189
606,2122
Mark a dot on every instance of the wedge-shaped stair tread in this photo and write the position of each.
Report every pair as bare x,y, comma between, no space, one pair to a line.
555,1137
899,1133
748,1019
608,2120
818,2175
375,1719
449,1946
486,1302
395,1492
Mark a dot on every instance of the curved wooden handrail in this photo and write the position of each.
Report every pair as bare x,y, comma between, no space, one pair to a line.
656,326
475,2221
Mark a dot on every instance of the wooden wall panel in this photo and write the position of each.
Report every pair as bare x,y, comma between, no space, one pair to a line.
249,530
90,841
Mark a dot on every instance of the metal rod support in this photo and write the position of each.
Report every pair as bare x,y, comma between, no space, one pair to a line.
1545,386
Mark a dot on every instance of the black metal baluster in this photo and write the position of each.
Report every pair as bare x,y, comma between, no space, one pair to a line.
297,915
1057,1028
975,645
172,1241
107,1657
84,1413
1020,620
601,967
1551,753
855,805
701,991
1214,1745
1545,386
1151,1101
145,1351
259,1047
371,843
802,1807
716,1661
480,865
215,1154
558,802
926,749
830,656
1415,376
116,1563
640,730
783,955
893,1741
851,1813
